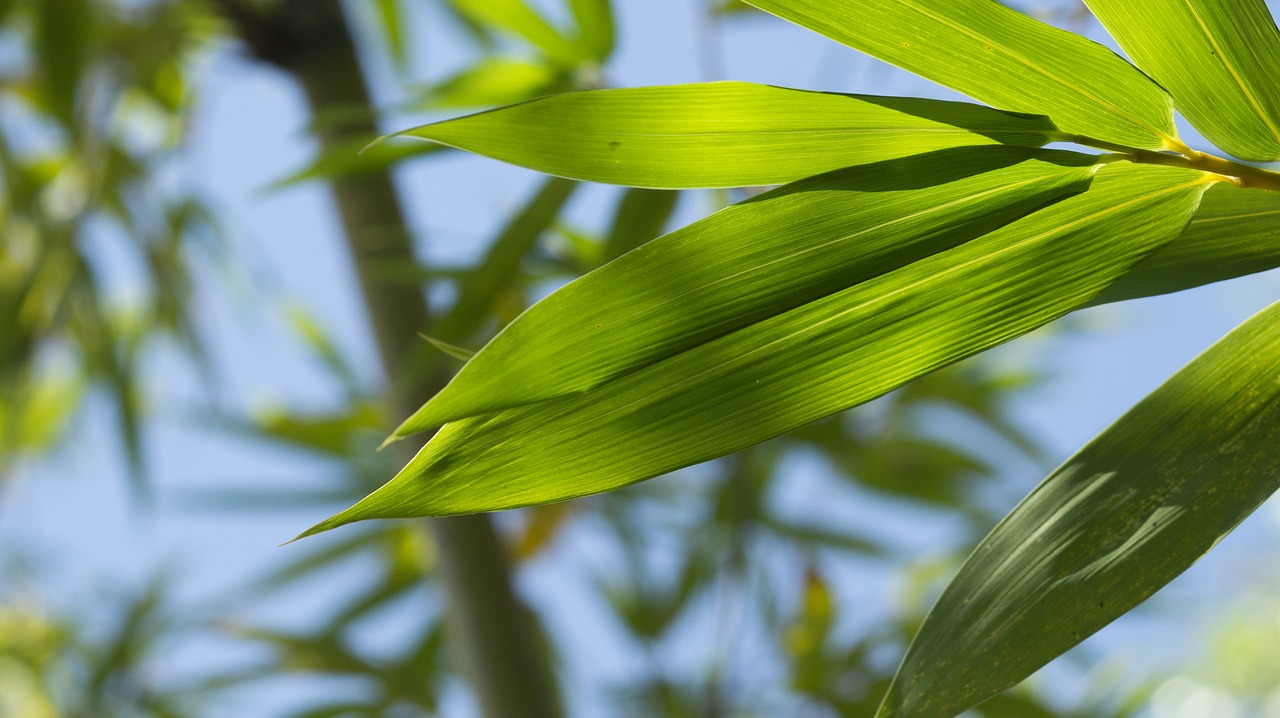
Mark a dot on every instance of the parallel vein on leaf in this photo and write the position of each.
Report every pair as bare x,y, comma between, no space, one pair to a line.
870,302
1037,68
1235,74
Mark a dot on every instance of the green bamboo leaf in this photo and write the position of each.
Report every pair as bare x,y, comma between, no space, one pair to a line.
1233,234
1002,57
346,160
1135,508
1218,58
640,216
497,81
748,262
783,372
517,18
595,27
722,134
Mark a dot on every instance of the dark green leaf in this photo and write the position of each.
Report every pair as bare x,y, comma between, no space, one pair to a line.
1135,508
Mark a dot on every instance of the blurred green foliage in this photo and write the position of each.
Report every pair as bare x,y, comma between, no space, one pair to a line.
724,584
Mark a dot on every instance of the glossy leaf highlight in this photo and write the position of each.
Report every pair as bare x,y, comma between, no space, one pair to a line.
1135,508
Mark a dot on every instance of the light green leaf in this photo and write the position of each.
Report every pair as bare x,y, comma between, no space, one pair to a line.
722,134
1218,58
1135,508
640,216
1002,57
1234,233
346,160
748,262
783,372
595,27
391,18
517,18
497,81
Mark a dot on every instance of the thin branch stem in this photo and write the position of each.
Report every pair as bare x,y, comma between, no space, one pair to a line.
1239,173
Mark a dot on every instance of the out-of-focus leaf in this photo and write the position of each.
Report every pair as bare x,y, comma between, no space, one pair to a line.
518,18
328,433
595,27
63,41
391,17
640,216
1002,57
1234,233
497,81
351,159
722,134
1219,59
748,262
453,350
786,371
479,289
1135,508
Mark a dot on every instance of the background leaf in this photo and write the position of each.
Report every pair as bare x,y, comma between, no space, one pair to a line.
1135,508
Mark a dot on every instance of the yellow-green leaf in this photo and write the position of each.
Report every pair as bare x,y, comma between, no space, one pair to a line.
1234,233
748,262
1218,58
1002,57
788,370
722,134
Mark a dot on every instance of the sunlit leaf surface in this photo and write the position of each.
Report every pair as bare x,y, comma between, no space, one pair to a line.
1002,57
786,371
722,134
1218,58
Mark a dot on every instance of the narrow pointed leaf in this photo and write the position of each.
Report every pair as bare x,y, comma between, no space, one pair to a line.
1002,57
748,262
518,18
1234,233
783,372
722,134
1218,58
595,27
1135,508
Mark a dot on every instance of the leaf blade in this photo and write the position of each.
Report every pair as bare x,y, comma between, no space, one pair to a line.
1218,58
1232,235
1002,57
781,373
748,262
722,134
1116,522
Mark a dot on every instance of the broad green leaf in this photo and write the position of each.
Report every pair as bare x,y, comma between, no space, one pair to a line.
497,81
595,27
1218,58
517,18
1002,57
1234,233
722,134
1135,508
748,262
786,371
